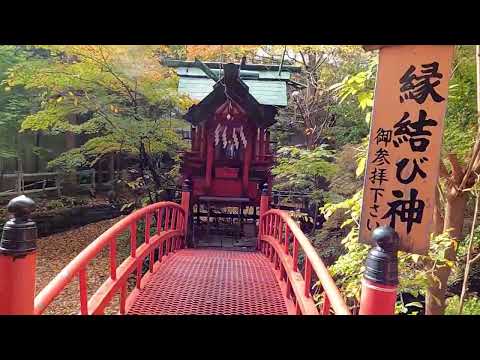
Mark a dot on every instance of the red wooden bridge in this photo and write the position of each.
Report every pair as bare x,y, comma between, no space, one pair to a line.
229,162
182,280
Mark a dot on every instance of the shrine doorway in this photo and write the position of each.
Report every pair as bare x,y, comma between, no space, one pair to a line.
224,222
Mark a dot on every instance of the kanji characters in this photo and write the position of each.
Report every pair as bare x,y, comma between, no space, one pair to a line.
410,210
384,136
416,170
413,132
378,175
381,157
419,87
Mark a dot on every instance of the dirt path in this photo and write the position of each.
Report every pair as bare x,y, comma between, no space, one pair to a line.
56,251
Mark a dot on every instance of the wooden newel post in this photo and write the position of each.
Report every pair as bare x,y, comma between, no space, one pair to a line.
380,281
18,248
185,204
264,207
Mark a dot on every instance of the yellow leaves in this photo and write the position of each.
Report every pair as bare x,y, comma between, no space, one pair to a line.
184,102
8,88
59,99
361,166
217,52
114,109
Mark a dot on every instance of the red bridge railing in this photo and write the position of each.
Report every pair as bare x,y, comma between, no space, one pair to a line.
280,239
168,238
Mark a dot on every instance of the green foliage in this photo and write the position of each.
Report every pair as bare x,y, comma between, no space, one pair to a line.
461,116
72,159
15,103
303,169
349,268
471,306
360,86
119,97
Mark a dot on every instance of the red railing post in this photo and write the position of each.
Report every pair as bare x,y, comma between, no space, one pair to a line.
264,206
185,204
18,248
379,286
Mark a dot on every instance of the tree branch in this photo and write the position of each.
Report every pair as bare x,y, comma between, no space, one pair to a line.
443,170
457,170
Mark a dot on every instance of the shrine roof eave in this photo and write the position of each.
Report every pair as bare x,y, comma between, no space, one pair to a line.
238,92
218,65
262,115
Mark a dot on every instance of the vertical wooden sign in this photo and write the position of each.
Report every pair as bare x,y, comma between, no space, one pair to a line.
405,141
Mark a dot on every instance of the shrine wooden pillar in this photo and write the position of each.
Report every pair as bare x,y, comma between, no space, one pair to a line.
247,161
194,138
261,144
267,142
210,157
202,142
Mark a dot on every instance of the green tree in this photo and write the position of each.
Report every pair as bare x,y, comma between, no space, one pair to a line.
119,96
457,175
303,169
15,104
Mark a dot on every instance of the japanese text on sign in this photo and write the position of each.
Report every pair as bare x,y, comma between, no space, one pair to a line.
405,142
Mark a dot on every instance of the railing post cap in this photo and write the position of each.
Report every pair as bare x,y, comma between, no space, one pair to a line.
264,189
386,238
19,233
382,263
21,206
187,185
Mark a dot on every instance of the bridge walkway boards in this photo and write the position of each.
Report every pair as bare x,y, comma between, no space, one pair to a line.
212,282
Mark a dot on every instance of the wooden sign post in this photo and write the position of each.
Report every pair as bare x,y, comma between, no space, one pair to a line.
405,141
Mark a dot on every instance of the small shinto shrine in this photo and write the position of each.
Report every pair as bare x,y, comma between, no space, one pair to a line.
231,155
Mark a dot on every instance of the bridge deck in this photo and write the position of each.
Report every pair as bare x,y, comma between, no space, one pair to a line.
212,282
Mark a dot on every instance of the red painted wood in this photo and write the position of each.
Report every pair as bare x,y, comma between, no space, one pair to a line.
113,258
262,144
82,280
308,277
247,160
194,138
17,284
210,158
203,143
304,302
214,282
133,239
377,299
159,220
118,274
225,172
326,305
123,299
267,143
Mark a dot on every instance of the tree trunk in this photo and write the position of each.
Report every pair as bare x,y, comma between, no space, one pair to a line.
454,217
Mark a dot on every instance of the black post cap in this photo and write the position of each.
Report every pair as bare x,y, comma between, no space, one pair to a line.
187,185
19,235
265,189
382,262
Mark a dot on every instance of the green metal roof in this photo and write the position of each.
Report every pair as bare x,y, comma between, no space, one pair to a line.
244,74
266,92
265,83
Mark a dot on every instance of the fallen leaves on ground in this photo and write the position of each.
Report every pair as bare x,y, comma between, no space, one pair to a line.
56,251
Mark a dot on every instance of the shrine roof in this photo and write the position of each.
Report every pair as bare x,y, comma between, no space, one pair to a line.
265,83
265,92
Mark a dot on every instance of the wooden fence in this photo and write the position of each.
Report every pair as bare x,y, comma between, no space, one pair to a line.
46,181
